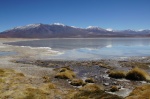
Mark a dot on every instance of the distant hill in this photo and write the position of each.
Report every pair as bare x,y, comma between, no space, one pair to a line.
57,30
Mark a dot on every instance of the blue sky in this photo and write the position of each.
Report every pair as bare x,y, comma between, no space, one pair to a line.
115,14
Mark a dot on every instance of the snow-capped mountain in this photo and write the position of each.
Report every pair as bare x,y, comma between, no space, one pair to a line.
30,26
95,28
58,24
58,30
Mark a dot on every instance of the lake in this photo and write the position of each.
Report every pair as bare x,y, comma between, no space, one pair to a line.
93,48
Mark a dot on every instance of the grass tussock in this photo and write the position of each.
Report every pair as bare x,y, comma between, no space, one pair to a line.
2,71
89,80
33,93
65,68
14,85
141,92
114,89
93,91
135,64
48,86
77,82
20,74
46,79
92,88
117,74
65,73
138,75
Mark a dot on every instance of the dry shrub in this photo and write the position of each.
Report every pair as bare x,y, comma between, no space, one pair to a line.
138,74
33,93
46,79
93,91
62,69
65,75
135,64
89,80
20,74
14,85
77,82
48,86
141,92
114,89
92,88
2,71
117,74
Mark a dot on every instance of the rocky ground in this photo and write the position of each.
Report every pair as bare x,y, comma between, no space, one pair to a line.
25,75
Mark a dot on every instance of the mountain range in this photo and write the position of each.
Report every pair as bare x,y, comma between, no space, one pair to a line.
58,30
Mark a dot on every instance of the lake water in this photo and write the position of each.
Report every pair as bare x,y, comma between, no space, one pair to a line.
93,48
7,53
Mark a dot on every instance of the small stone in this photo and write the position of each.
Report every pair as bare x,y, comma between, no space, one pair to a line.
106,84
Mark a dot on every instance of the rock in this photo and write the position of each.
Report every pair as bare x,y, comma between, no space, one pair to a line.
106,84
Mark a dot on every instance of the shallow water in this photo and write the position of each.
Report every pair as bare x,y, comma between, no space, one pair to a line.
93,48
7,53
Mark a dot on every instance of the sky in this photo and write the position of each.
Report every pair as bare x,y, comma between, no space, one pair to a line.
113,14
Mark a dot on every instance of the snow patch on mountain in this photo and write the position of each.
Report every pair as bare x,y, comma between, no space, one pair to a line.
140,30
109,29
92,27
58,24
28,26
75,27
95,28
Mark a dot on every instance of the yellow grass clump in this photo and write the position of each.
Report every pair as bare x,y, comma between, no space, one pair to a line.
138,74
65,73
93,91
77,82
14,85
117,74
32,93
140,92
114,89
89,80
48,86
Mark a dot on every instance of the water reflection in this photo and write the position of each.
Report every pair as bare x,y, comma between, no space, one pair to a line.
93,48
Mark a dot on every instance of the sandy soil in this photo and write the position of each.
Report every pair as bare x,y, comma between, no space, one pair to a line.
23,53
